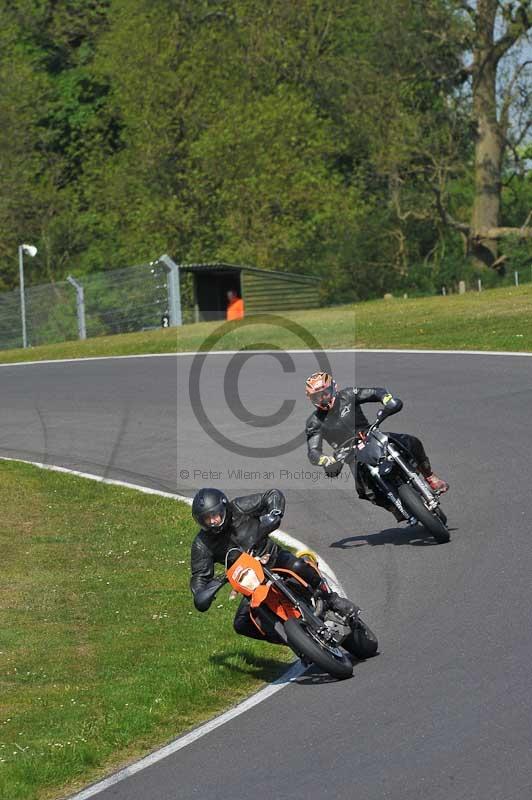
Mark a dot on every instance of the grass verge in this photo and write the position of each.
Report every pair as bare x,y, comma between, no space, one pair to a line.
496,319
102,653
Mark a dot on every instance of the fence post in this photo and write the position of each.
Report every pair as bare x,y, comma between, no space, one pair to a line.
461,287
174,292
479,285
516,278
80,306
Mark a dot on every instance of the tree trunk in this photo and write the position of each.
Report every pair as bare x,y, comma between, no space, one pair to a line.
489,143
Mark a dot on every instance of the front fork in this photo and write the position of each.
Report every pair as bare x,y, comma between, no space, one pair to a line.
420,484
306,612
388,492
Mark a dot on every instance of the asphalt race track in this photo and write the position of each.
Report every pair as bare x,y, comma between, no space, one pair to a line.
445,711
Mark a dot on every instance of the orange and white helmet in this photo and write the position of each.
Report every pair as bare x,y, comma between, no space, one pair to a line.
321,390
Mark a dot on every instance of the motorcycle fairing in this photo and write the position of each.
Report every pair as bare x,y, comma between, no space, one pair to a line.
243,563
260,594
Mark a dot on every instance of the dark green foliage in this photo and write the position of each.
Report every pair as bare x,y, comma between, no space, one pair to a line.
302,136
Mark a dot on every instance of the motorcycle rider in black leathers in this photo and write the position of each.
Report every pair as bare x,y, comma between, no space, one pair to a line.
246,522
339,416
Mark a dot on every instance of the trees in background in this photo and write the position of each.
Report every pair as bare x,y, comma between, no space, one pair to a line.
350,140
501,115
52,119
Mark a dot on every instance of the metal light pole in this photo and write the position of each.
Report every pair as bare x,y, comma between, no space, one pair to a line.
31,250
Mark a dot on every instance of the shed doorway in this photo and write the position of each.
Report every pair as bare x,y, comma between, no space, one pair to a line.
210,293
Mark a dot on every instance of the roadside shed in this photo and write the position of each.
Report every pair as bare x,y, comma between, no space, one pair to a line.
262,290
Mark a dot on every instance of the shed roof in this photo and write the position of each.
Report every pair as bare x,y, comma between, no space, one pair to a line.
220,266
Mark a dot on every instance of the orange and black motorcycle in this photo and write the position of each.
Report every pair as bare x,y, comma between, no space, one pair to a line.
300,616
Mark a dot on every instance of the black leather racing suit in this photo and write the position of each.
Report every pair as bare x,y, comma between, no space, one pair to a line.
346,418
243,528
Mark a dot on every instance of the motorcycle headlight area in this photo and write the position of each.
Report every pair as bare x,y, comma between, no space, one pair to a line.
247,578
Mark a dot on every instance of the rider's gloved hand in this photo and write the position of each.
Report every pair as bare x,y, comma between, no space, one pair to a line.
270,522
392,405
332,467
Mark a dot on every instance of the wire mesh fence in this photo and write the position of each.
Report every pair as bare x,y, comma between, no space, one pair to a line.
50,313
136,298
118,301
125,300
10,322
490,280
512,277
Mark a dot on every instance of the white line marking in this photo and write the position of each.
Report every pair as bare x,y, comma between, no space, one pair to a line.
100,479
355,350
82,359
284,538
290,675
258,352
296,669
293,672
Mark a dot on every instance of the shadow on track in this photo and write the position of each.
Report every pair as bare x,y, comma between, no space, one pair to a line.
313,677
266,669
415,536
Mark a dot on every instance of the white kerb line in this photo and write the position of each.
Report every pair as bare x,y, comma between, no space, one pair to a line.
294,671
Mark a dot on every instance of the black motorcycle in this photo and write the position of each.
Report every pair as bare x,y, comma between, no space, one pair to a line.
385,467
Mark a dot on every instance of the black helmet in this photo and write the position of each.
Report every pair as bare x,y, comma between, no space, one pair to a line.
208,502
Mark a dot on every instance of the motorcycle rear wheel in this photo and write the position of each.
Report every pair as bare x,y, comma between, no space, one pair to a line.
415,505
328,658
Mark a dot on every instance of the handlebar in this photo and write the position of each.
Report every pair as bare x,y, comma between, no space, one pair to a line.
349,445
230,559
231,550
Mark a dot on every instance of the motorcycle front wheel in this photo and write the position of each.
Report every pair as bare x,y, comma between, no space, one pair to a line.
305,642
361,642
415,505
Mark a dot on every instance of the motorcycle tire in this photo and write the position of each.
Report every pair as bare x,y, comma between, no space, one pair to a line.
442,515
361,642
330,659
415,506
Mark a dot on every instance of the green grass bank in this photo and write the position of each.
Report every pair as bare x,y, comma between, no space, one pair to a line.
496,319
102,654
